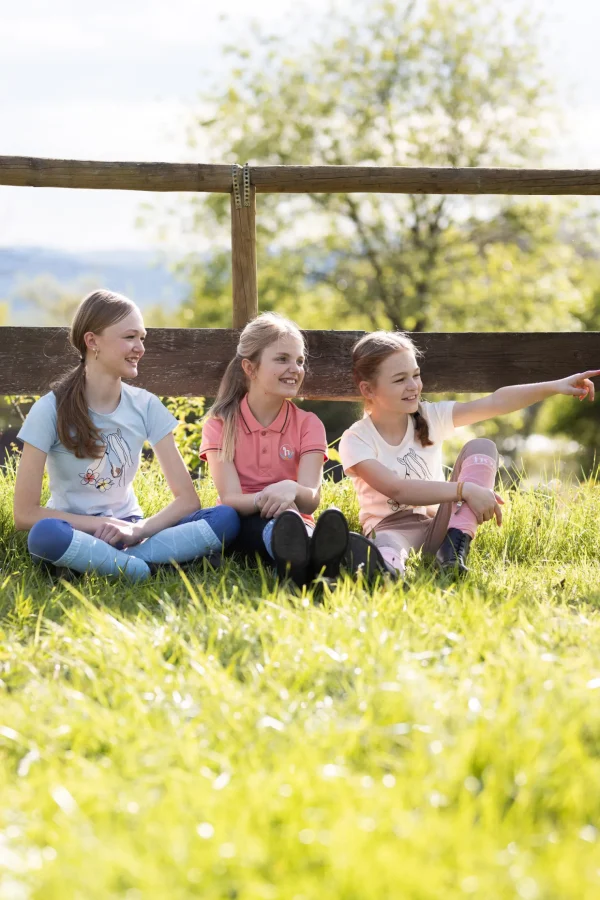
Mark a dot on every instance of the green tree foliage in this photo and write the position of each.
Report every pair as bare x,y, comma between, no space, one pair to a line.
454,83
579,421
188,433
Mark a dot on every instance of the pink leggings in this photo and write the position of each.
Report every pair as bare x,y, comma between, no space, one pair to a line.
397,534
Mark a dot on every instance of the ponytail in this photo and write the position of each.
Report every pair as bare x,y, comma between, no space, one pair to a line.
256,337
76,431
226,407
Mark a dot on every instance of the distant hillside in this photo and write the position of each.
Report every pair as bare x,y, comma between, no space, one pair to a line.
142,275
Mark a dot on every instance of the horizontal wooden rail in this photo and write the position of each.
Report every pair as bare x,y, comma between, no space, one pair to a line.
32,171
417,180
191,361
157,176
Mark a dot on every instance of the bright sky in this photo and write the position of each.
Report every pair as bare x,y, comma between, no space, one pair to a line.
117,80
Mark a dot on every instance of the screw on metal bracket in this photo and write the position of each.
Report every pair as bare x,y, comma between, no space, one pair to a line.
246,182
236,186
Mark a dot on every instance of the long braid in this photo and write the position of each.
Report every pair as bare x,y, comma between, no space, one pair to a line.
422,429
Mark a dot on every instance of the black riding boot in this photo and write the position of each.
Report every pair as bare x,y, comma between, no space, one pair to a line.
453,553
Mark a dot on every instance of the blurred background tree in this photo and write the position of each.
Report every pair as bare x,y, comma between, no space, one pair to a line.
438,83
454,83
578,421
54,302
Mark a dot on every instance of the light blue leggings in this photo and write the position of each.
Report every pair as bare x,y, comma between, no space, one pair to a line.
195,536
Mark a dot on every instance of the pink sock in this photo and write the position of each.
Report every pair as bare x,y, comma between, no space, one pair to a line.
393,558
479,470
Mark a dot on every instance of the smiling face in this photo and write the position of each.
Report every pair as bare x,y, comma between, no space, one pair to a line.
397,386
280,370
120,346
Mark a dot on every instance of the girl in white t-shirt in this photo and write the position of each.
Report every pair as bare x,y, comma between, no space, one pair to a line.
88,432
394,454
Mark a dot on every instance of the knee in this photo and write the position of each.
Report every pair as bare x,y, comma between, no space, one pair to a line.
225,522
50,538
481,447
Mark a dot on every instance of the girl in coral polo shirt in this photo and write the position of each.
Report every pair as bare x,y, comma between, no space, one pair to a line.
266,457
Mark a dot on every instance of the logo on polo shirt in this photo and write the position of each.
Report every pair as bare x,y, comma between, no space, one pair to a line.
286,452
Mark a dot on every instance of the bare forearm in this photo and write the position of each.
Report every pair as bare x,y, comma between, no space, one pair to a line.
404,491
27,519
422,493
307,498
518,396
176,510
244,504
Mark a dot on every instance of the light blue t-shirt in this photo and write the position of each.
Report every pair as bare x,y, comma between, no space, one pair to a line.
100,486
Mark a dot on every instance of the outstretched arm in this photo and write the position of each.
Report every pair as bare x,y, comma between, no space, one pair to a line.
518,396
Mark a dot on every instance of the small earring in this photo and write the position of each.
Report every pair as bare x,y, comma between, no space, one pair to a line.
96,352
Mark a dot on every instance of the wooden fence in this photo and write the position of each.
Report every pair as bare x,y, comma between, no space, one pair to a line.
183,361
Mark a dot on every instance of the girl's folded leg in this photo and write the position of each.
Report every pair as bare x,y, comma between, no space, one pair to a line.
478,463
394,559
249,542
454,527
56,541
393,548
203,532
398,534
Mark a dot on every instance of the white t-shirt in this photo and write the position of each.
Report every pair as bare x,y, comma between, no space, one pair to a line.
410,459
101,486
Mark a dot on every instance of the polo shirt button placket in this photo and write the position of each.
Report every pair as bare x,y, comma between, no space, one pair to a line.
264,464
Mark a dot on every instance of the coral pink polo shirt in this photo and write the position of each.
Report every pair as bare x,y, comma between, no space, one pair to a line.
265,455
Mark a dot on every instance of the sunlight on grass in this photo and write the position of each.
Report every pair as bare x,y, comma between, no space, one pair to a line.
228,738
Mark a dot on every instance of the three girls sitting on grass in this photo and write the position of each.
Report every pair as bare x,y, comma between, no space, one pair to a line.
265,456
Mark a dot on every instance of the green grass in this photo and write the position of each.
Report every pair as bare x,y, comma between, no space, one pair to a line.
213,735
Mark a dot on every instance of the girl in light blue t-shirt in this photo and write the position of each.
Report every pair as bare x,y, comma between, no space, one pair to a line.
89,433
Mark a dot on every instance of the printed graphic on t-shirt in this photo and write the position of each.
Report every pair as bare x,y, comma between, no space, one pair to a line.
286,452
114,462
415,468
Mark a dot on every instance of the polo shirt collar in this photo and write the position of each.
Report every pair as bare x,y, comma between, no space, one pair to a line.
251,424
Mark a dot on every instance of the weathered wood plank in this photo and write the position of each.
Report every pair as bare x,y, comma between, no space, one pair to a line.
158,176
420,180
243,261
30,171
191,361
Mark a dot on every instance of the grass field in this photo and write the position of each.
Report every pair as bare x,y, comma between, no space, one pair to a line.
213,735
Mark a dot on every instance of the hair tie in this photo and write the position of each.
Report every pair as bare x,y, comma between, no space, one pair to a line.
81,360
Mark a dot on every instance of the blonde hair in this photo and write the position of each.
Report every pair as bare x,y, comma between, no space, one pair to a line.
367,356
258,334
76,430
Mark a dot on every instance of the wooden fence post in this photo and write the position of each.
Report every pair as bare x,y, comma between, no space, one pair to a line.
243,250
